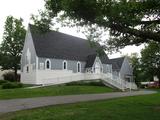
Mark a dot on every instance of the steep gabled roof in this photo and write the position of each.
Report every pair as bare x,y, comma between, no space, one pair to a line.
117,63
90,60
58,45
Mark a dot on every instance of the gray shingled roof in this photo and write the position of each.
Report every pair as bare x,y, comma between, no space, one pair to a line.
117,63
58,45
90,60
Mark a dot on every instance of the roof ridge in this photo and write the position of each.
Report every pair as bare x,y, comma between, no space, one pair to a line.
117,58
58,32
59,45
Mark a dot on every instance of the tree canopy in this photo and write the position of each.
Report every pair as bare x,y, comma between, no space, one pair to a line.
151,58
42,21
128,21
140,71
12,44
146,66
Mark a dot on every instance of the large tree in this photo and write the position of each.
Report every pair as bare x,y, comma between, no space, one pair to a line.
42,21
140,72
12,44
129,21
151,58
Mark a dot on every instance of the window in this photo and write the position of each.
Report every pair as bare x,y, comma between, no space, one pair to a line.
109,68
41,66
27,69
87,70
64,65
26,60
48,64
78,67
128,79
28,56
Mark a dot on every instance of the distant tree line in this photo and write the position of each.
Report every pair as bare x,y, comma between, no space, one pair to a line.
147,65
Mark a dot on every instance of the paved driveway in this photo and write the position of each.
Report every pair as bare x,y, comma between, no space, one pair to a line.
28,103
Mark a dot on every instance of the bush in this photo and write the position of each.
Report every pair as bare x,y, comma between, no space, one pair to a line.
2,81
89,83
100,83
9,76
11,85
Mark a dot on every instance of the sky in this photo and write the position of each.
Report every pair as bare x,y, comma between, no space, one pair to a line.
24,9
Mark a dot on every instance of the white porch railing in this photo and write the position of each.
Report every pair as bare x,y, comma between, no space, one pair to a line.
118,82
107,79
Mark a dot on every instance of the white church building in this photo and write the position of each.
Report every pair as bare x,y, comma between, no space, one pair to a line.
56,58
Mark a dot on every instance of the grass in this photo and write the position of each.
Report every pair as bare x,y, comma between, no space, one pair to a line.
52,91
145,107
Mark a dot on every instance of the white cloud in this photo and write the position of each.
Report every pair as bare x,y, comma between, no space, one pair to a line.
18,8
127,51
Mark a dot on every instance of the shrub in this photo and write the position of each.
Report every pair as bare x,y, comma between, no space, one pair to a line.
100,83
11,85
9,76
74,83
2,81
89,83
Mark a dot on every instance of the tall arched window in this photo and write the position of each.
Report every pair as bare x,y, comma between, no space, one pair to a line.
64,65
28,56
78,67
48,64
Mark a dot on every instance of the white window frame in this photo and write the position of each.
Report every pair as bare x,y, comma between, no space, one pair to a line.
28,56
63,65
42,66
79,67
108,68
101,68
97,66
27,68
49,64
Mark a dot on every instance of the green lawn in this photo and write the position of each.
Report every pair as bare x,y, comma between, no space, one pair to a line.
52,91
129,108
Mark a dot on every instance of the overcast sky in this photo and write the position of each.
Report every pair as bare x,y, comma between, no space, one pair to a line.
24,8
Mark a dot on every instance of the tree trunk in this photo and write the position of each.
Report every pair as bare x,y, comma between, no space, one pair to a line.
15,73
159,80
159,77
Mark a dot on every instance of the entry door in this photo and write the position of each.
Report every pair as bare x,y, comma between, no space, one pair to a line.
97,67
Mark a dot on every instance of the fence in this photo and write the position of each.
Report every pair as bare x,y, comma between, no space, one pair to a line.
107,78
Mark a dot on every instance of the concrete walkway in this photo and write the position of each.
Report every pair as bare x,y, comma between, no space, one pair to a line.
28,103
